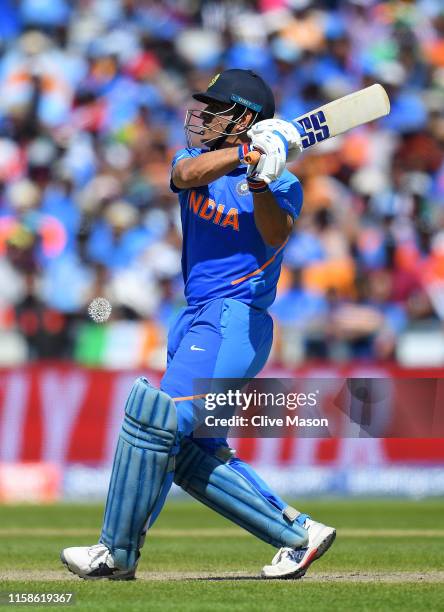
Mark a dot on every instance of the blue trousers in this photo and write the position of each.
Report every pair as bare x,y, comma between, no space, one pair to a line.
222,339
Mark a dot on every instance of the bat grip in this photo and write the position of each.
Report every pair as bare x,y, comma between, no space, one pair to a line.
252,157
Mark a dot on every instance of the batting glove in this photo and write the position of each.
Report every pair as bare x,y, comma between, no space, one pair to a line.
290,131
273,149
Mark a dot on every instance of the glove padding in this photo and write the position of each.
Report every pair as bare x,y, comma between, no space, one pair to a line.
287,129
273,157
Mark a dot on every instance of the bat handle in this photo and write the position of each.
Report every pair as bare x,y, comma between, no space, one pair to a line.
252,157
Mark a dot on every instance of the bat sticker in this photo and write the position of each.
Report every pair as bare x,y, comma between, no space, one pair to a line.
316,128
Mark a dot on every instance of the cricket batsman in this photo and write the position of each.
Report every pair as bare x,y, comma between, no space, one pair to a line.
236,221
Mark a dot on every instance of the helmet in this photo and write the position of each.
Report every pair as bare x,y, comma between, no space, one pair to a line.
243,87
242,90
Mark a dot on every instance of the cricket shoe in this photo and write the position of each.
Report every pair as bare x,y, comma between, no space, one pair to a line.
93,563
293,563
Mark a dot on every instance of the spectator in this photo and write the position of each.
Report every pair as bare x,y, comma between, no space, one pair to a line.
92,112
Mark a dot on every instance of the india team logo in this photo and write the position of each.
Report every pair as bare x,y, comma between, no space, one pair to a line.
213,80
242,187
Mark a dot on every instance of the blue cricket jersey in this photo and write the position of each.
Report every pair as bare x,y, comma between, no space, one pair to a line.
224,255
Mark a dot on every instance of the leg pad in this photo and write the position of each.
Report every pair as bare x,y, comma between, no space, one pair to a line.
141,463
221,488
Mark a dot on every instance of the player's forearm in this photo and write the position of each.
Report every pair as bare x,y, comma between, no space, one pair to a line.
208,167
273,223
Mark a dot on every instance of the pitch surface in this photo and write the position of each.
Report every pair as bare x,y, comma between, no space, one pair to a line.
387,556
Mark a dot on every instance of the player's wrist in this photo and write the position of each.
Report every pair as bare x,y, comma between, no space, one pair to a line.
242,151
257,185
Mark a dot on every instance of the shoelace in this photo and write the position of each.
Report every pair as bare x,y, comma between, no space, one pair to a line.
97,551
298,555
291,554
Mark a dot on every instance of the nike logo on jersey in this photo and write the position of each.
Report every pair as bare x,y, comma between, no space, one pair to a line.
208,210
196,348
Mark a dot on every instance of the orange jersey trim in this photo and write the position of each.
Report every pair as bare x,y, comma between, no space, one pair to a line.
259,270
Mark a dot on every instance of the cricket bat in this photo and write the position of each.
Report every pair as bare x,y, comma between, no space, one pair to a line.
339,116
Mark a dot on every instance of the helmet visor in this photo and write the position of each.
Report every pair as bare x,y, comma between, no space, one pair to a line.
205,125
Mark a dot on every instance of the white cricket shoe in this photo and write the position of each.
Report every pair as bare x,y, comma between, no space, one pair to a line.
93,563
293,563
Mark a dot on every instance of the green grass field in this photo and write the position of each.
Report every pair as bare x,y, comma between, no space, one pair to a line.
389,555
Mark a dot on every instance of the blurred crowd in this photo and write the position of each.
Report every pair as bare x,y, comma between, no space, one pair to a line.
93,97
